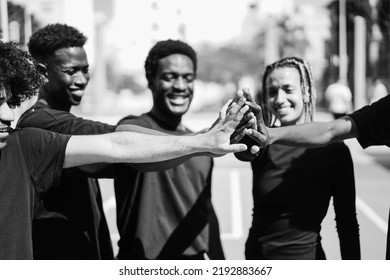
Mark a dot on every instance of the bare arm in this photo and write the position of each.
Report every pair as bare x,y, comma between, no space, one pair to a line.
307,134
315,133
133,147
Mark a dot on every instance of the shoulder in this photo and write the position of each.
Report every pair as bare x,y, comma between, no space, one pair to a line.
35,116
142,120
32,135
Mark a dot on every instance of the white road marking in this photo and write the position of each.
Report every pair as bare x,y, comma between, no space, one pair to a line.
235,207
371,215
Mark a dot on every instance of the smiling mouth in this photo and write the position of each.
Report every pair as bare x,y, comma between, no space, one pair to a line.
5,129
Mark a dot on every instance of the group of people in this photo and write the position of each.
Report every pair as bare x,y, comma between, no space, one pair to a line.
50,201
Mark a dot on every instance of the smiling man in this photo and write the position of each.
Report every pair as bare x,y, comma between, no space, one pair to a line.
70,223
168,214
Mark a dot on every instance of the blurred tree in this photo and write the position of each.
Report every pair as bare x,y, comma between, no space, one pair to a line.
293,40
354,8
16,14
228,63
383,20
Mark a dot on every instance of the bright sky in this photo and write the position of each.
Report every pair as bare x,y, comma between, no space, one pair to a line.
213,20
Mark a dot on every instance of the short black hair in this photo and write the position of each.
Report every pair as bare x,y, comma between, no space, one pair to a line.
163,49
18,72
45,41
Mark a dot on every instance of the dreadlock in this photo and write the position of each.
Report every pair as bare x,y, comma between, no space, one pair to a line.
307,87
18,72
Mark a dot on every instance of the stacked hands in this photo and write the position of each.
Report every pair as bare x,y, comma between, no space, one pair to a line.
240,128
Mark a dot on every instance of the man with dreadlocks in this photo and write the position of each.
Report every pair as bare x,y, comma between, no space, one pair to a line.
32,159
292,186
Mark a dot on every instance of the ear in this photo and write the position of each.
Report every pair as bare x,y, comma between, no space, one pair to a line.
42,69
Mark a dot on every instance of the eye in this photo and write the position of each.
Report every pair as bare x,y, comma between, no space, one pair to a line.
168,77
272,92
189,78
86,70
70,71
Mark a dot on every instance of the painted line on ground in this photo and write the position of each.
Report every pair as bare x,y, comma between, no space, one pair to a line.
236,207
371,215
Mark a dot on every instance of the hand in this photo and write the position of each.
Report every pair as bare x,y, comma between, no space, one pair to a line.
260,132
218,136
249,122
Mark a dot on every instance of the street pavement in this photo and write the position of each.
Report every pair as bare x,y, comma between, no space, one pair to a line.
232,197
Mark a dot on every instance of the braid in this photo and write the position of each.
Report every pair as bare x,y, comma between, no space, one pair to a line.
307,87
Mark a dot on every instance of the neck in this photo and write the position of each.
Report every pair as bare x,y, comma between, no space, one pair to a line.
52,102
169,122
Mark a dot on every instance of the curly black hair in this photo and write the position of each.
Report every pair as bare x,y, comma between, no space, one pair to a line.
45,41
163,49
18,73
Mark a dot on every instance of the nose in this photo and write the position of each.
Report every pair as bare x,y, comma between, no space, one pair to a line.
6,113
280,97
81,79
180,84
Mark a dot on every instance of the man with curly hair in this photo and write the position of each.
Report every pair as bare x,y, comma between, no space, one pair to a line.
32,159
157,217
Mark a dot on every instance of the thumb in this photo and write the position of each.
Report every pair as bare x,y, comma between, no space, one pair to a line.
236,148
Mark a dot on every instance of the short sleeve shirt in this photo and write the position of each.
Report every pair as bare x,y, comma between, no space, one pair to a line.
30,164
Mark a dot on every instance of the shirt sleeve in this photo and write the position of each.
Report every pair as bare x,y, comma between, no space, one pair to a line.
344,202
373,123
63,122
44,153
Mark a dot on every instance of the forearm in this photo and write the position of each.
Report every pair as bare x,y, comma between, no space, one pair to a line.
131,147
309,134
166,164
313,134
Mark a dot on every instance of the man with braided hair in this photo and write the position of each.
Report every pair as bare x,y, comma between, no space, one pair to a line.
32,159
292,186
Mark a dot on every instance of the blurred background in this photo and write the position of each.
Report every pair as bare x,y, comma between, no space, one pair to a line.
234,40
348,39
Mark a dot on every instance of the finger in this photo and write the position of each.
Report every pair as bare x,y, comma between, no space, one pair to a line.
247,120
254,120
255,150
222,112
256,136
253,106
247,93
237,136
236,148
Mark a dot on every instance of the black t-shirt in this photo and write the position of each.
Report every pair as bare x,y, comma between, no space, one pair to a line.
292,188
70,222
166,214
30,164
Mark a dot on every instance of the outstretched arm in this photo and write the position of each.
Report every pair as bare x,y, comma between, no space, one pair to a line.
315,133
133,147
305,135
